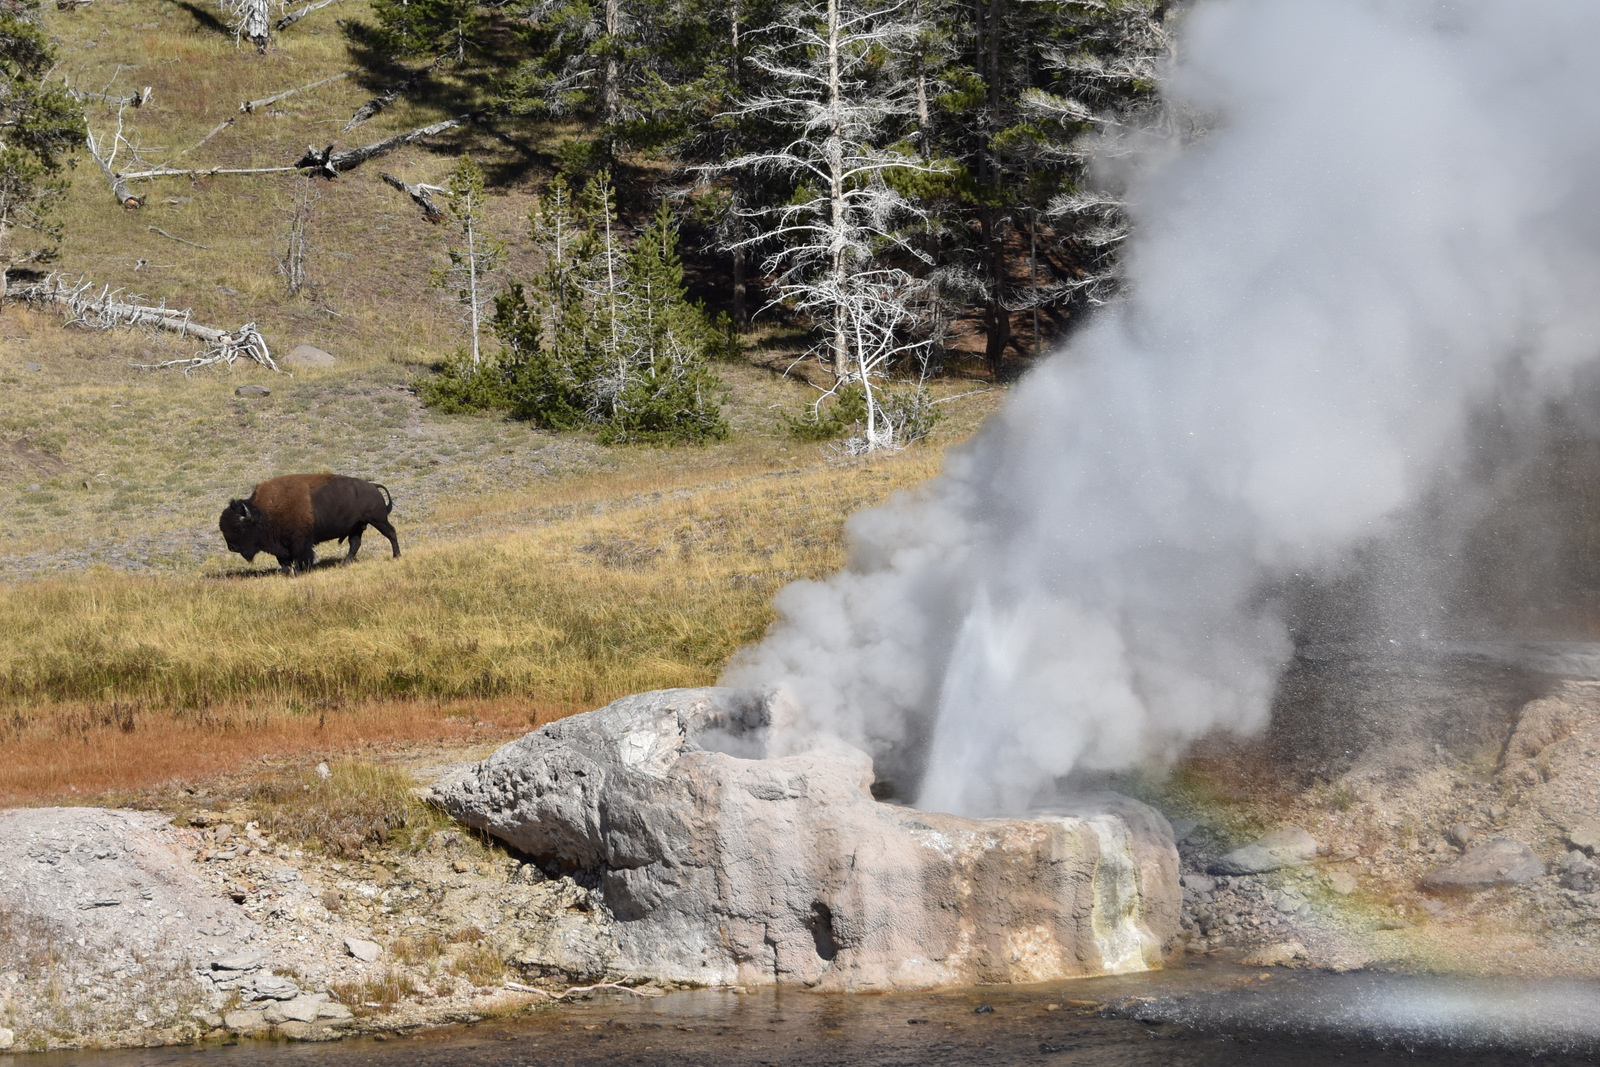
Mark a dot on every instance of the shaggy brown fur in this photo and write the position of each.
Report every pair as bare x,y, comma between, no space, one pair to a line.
286,516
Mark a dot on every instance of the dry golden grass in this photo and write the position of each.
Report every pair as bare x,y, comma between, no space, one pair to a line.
117,681
543,574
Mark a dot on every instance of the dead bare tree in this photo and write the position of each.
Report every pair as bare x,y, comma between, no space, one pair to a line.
292,264
250,105
106,309
431,211
251,20
330,163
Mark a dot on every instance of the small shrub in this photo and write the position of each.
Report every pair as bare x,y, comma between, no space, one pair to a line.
458,386
824,421
912,412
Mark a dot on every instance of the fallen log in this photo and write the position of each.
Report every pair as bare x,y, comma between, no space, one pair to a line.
105,309
250,105
198,172
389,96
295,16
329,163
431,211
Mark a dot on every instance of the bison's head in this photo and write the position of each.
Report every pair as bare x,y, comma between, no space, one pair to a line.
241,528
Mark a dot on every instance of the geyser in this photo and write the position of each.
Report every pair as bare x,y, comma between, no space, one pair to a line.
1390,226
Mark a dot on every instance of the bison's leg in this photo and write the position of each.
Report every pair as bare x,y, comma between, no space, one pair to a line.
355,542
304,558
383,527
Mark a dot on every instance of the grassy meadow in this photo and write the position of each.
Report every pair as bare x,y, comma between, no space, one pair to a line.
542,574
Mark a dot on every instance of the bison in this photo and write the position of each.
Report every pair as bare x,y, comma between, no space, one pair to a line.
286,516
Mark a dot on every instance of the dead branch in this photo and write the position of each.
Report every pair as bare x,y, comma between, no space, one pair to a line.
250,105
206,172
330,163
72,5
389,96
295,16
119,186
224,124
105,157
180,240
431,211
518,987
140,97
105,310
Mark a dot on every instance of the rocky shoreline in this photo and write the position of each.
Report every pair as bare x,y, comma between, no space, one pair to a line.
134,928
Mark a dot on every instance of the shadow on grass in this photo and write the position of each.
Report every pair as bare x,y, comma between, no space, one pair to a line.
330,563
204,18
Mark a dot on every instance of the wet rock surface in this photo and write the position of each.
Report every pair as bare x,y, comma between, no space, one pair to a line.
1451,834
713,862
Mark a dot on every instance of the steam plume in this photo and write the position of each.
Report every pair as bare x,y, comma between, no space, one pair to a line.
1394,222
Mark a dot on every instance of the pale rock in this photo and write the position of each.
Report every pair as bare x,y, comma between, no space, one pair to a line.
270,987
1342,882
239,961
296,1030
308,356
334,1012
1583,833
1501,861
252,392
7,1038
1199,883
304,1008
245,1021
1291,847
1277,954
720,862
361,949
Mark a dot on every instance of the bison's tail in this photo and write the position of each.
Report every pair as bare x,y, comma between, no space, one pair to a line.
389,500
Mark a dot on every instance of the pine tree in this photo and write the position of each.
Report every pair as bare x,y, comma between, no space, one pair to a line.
40,125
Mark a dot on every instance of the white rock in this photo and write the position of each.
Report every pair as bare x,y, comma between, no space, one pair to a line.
716,868
7,1038
363,950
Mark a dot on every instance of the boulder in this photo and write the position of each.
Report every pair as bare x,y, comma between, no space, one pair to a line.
722,853
362,949
1583,833
252,391
1281,848
1498,862
308,356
